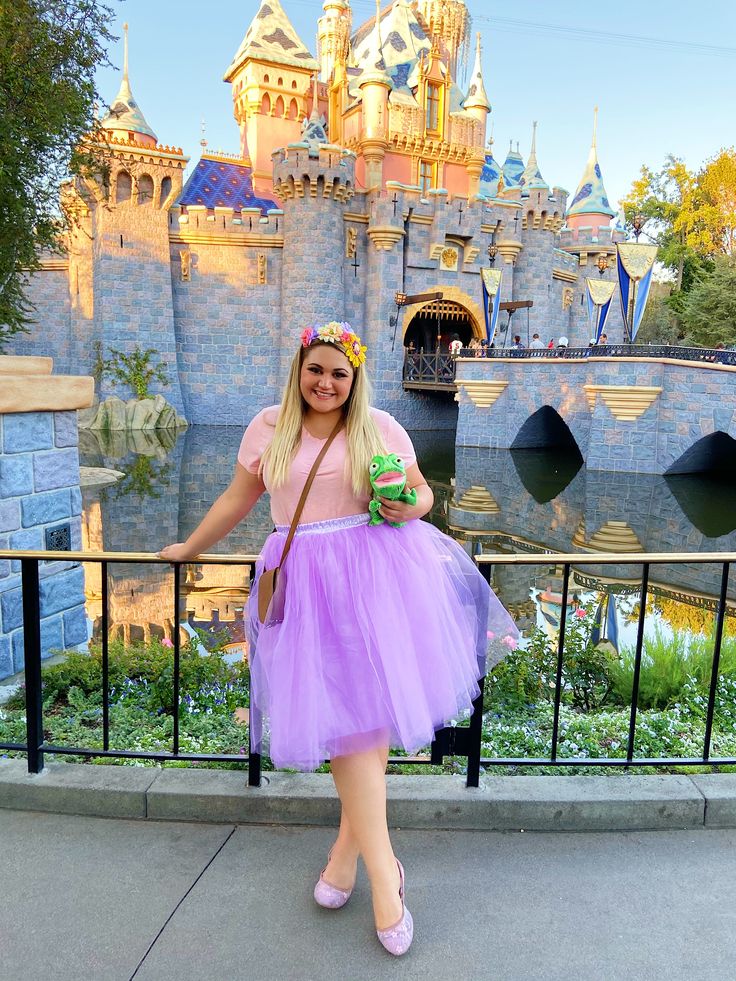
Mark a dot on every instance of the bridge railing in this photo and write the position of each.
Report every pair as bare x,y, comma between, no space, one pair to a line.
439,367
457,740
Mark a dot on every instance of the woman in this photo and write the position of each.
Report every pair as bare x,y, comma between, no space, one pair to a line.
385,629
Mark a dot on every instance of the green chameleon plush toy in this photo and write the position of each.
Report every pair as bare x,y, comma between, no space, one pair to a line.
388,479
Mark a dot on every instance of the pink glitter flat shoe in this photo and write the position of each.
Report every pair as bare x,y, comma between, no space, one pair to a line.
397,939
327,895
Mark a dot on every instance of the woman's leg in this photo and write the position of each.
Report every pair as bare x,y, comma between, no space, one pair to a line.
342,866
360,779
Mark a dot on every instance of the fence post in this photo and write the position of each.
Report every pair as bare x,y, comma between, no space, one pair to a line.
32,658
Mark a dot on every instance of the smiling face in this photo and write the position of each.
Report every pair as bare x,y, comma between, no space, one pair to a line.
326,378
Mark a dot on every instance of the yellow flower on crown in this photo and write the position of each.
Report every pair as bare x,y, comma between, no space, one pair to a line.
337,333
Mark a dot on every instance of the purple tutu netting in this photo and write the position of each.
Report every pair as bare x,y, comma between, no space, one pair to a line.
386,632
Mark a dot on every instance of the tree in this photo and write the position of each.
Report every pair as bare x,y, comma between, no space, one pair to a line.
717,184
49,50
709,309
669,200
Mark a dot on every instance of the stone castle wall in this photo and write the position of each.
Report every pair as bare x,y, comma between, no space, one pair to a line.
222,296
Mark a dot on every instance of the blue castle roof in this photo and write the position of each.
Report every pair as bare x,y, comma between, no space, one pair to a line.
221,183
513,168
489,177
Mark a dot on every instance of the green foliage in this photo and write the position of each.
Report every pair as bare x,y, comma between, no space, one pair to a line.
527,676
671,667
709,309
135,369
143,671
49,51
142,477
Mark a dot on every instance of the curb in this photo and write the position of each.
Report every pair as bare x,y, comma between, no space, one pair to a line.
545,803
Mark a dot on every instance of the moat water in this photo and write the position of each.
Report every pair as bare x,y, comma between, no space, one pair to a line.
496,501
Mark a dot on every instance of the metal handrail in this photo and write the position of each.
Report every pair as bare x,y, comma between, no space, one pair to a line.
448,741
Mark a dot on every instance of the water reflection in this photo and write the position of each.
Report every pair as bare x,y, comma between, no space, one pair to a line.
491,500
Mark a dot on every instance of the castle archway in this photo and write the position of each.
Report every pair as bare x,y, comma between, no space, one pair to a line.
714,455
545,429
426,323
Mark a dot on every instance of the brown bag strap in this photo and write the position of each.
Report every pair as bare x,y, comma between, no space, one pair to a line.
312,474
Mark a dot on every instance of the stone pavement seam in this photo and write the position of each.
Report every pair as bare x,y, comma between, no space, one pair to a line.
181,900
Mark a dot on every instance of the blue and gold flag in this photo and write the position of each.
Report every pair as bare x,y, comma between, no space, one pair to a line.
635,264
600,294
491,280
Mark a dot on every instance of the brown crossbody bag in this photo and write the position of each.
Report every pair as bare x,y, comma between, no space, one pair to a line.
272,583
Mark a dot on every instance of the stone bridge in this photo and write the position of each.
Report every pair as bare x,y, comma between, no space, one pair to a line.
656,415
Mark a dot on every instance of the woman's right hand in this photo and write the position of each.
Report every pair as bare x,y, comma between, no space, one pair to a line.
179,552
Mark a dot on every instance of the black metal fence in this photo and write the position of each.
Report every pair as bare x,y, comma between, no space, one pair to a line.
449,741
439,367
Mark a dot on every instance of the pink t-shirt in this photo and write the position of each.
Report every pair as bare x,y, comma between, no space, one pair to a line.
331,495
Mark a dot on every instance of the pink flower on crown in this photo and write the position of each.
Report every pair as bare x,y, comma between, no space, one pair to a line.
307,336
510,642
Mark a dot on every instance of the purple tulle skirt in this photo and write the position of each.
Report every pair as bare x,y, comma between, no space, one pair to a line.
385,634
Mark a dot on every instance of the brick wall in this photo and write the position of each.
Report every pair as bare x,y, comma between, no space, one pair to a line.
39,489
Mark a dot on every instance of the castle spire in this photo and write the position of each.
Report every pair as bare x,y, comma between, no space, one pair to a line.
124,116
532,176
590,197
477,97
376,66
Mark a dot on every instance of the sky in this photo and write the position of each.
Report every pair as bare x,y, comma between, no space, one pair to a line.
662,75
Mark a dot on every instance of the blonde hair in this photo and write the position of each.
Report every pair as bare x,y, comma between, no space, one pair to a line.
364,440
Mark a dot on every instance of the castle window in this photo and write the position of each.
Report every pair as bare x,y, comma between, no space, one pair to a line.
278,109
293,84
293,109
123,187
266,79
266,104
145,189
434,101
280,81
165,191
426,175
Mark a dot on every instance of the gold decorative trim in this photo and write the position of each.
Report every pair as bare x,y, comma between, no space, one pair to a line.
54,264
384,237
484,394
422,219
565,275
236,239
625,402
352,216
510,250
613,536
479,500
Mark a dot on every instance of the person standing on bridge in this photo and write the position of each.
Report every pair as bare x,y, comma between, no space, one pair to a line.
385,629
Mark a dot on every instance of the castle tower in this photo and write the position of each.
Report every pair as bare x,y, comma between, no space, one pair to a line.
538,269
590,237
512,170
121,282
333,36
374,88
479,108
270,76
314,183
448,24
532,174
590,207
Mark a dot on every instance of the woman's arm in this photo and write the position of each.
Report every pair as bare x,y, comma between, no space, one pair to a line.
228,510
400,510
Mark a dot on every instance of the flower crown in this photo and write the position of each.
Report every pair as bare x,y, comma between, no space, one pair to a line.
337,333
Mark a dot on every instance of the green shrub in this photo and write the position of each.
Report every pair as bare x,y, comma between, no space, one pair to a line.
527,675
667,666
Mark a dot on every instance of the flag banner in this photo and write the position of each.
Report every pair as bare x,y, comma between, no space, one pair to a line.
640,304
491,281
605,622
634,263
600,294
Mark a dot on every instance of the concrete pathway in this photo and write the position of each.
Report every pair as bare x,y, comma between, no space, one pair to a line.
94,899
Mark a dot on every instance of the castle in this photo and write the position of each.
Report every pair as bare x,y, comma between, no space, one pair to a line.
362,173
